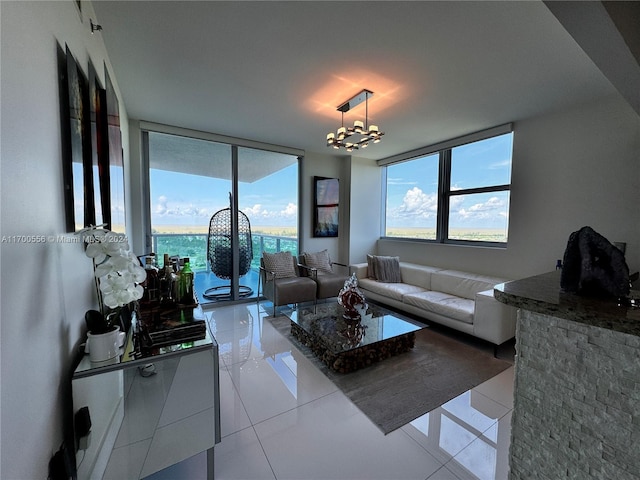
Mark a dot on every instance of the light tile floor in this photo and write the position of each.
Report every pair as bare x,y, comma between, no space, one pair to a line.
283,419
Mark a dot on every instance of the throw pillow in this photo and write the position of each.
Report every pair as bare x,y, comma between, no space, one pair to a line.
371,272
319,260
387,269
280,263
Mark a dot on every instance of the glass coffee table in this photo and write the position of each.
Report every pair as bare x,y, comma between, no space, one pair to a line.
347,345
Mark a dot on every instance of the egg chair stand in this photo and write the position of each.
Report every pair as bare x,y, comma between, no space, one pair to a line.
220,255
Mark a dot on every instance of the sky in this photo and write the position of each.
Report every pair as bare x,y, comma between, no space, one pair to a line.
183,199
191,200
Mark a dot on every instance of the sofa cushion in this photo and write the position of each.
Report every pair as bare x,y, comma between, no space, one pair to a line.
371,273
318,260
387,269
461,284
294,290
280,263
329,284
415,274
391,290
384,268
444,304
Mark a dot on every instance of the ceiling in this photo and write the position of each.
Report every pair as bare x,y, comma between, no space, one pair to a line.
275,72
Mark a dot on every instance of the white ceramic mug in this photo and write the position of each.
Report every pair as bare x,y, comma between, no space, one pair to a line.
104,346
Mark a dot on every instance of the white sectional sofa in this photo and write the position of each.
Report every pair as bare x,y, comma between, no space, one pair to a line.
459,300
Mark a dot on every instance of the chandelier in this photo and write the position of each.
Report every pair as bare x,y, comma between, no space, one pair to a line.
361,134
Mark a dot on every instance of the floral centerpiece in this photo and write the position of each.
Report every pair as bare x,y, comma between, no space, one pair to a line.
117,275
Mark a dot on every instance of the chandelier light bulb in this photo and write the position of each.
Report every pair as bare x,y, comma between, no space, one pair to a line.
367,134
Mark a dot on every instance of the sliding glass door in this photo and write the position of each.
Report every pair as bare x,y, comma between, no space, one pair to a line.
220,205
268,195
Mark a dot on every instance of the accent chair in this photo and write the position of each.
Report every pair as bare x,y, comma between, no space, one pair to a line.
281,281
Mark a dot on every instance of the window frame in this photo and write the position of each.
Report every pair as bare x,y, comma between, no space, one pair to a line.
445,193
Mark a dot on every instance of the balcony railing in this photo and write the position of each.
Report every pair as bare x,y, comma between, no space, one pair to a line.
194,246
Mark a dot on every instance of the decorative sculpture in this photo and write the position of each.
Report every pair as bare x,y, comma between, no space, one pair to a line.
353,332
592,266
350,297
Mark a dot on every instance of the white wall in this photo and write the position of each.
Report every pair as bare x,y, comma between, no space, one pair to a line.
570,169
45,287
360,202
366,208
330,166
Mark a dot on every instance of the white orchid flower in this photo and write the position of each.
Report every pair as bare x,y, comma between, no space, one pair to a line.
118,298
114,282
116,269
116,239
103,269
139,274
138,292
119,262
119,291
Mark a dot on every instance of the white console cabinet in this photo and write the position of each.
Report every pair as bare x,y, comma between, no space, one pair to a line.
146,419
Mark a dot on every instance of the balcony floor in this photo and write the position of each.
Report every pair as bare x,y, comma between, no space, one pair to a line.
206,279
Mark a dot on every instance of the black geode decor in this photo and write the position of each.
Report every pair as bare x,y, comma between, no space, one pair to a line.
593,266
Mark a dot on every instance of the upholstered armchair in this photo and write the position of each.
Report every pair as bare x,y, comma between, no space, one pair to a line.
318,266
281,281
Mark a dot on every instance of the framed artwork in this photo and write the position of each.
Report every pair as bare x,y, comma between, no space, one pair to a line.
76,144
115,168
326,196
67,168
99,149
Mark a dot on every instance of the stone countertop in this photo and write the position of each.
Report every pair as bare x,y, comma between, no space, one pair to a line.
542,294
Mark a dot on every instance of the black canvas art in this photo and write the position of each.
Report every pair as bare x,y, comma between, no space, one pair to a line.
99,149
76,143
325,209
116,161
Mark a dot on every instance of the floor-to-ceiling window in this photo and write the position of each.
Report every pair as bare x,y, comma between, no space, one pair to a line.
196,185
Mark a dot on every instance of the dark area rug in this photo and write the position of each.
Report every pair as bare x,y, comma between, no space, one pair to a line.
400,389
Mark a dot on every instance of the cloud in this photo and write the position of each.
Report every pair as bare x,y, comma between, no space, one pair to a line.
416,204
506,163
167,209
254,211
258,212
163,208
493,207
291,210
399,181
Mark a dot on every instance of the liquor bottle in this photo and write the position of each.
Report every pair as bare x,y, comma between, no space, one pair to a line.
185,284
176,277
167,279
152,287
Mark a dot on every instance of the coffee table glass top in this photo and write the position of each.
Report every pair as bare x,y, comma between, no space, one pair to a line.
325,323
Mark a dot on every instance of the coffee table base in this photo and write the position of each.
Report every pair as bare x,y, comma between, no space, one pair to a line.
357,358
